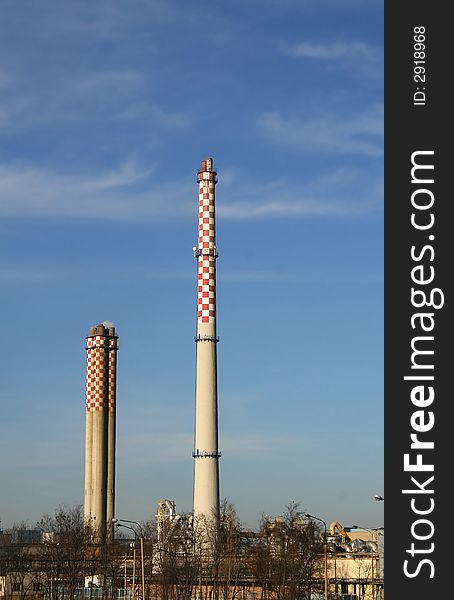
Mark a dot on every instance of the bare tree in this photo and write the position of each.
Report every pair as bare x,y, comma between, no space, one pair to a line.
231,554
64,551
178,558
287,560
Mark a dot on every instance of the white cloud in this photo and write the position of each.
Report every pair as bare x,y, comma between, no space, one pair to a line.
336,51
27,191
297,277
132,193
333,134
108,79
356,59
126,174
341,193
31,275
101,95
297,207
152,112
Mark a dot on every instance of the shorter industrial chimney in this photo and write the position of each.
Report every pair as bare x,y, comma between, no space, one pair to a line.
100,432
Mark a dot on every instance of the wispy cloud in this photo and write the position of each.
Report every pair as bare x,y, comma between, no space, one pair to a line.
351,58
331,133
114,78
147,111
42,275
296,207
133,193
301,276
342,193
35,274
28,191
125,175
321,5
74,97
334,51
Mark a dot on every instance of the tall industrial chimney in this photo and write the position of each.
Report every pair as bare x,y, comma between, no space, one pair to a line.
206,454
100,430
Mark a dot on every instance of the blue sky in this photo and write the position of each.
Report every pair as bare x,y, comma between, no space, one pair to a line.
106,110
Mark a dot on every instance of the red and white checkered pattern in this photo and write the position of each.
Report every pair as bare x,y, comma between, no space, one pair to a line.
206,295
112,374
101,373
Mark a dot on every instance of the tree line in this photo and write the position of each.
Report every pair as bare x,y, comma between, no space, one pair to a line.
183,560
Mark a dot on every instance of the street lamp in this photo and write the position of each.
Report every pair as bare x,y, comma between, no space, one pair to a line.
325,551
115,520
379,498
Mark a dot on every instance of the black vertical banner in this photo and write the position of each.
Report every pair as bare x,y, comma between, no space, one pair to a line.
418,300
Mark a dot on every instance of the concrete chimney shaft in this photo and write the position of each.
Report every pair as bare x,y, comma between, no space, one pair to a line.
206,454
100,432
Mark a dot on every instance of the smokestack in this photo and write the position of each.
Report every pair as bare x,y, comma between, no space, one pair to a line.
206,454
100,432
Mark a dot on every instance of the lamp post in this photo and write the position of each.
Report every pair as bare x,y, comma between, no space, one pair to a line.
380,498
133,545
124,578
115,520
325,551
